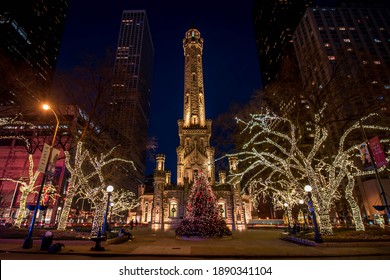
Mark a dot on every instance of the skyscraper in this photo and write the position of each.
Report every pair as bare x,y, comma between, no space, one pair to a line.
274,24
30,40
351,47
344,59
131,89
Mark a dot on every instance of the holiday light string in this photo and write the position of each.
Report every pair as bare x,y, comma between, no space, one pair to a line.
324,177
87,180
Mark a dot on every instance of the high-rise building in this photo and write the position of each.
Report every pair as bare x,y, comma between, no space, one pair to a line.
344,59
349,47
274,24
30,40
131,89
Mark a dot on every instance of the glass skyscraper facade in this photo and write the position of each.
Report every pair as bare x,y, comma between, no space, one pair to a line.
131,89
30,39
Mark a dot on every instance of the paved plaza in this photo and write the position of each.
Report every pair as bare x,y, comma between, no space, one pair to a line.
250,244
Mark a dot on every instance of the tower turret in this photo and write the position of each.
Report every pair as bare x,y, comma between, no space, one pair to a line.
194,153
194,107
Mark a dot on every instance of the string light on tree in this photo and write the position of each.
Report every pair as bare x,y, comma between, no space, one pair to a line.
275,163
87,168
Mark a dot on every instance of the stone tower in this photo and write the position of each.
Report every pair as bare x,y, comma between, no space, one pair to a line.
159,184
194,152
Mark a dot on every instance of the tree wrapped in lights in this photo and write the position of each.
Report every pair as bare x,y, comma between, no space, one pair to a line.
88,180
26,186
274,151
202,217
283,194
347,162
77,178
123,200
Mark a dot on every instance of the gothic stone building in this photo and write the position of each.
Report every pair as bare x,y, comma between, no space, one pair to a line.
164,207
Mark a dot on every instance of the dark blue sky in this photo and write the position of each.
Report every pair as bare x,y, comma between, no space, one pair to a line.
230,65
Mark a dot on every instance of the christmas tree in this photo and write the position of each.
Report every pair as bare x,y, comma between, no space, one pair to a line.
202,217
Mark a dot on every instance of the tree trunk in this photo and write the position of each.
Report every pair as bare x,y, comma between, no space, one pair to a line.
290,217
22,209
324,223
98,219
62,223
356,214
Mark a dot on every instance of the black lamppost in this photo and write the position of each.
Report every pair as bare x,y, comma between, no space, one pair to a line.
317,235
101,233
303,213
28,242
111,206
109,191
288,218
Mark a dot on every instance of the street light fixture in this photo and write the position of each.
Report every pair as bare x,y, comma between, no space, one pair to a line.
111,206
304,213
288,218
47,107
28,242
317,235
101,233
109,190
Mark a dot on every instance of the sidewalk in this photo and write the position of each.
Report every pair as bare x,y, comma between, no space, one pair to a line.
250,244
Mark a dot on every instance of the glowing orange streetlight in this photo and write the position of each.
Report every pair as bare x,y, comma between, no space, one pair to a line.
28,242
47,107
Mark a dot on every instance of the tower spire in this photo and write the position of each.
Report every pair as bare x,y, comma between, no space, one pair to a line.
194,107
194,153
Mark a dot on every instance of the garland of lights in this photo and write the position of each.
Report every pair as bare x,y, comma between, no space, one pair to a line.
123,200
285,167
80,184
26,187
283,195
76,179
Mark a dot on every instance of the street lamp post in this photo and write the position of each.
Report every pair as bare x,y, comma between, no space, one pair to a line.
317,235
111,206
109,191
28,242
303,213
101,233
288,218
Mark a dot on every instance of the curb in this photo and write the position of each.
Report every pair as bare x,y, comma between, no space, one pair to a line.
200,256
306,242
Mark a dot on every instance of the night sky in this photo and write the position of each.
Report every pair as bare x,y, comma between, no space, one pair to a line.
230,65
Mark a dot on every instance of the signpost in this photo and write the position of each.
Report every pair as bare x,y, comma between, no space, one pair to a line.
44,161
48,153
